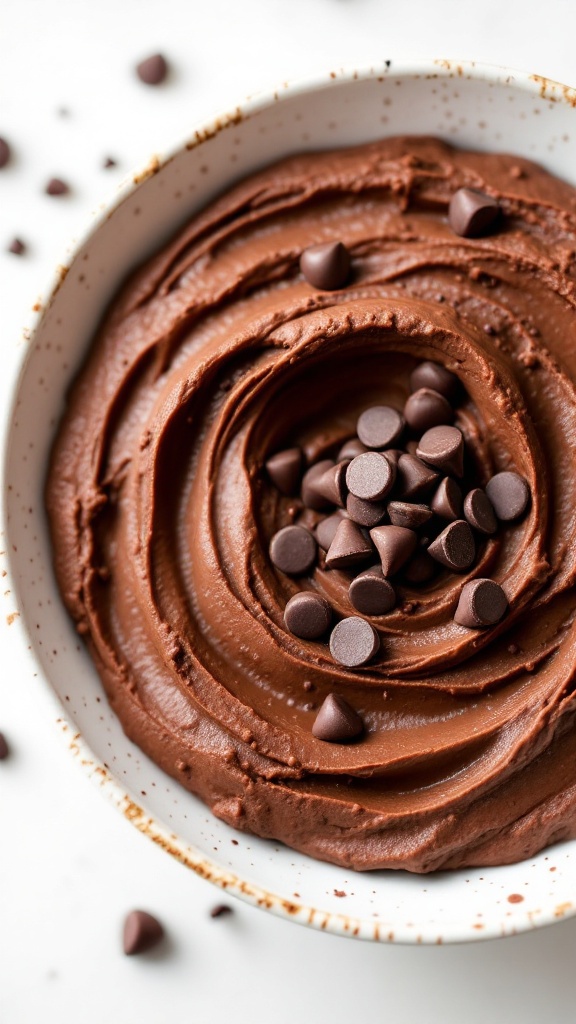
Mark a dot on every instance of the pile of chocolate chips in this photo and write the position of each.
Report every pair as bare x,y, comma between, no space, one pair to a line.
392,506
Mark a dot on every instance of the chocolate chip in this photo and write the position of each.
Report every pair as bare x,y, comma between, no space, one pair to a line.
152,70
293,550
307,615
372,594
4,749
447,500
394,544
109,162
479,511
57,187
337,721
350,449
310,495
221,910
482,603
4,152
17,247
443,448
404,513
284,469
325,530
433,375
370,476
332,484
413,478
421,568
472,213
348,548
365,513
380,427
509,494
427,408
354,642
326,266
454,547
142,931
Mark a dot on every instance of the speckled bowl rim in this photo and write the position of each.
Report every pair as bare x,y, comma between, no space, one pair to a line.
335,923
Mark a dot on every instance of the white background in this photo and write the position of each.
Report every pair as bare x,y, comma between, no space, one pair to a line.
70,865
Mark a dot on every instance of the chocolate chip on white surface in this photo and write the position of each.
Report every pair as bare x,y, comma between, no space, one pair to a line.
142,931
152,70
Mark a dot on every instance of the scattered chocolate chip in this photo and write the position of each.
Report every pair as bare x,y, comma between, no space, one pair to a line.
221,910
142,931
365,513
57,187
421,568
337,721
434,376
404,513
509,494
413,478
426,408
350,449
17,247
152,70
443,448
326,266
472,213
454,547
372,594
349,547
370,476
447,500
284,469
4,749
482,603
310,495
109,162
307,615
4,152
380,427
394,544
332,484
293,550
325,530
479,511
354,642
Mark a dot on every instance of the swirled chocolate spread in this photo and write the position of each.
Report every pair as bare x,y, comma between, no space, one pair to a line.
313,506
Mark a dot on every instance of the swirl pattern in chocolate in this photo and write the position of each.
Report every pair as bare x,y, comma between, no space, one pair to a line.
218,353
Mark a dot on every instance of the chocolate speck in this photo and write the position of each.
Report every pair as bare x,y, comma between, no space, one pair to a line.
220,910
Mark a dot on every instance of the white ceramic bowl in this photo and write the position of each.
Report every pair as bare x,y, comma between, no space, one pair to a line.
478,107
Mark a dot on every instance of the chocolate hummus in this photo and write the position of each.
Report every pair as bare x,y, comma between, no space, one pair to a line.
219,353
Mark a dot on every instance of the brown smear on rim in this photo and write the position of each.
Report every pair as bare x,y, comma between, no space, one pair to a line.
554,91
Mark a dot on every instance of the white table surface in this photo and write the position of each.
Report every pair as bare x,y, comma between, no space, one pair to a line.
70,865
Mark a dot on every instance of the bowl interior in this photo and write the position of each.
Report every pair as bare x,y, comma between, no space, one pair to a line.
477,108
